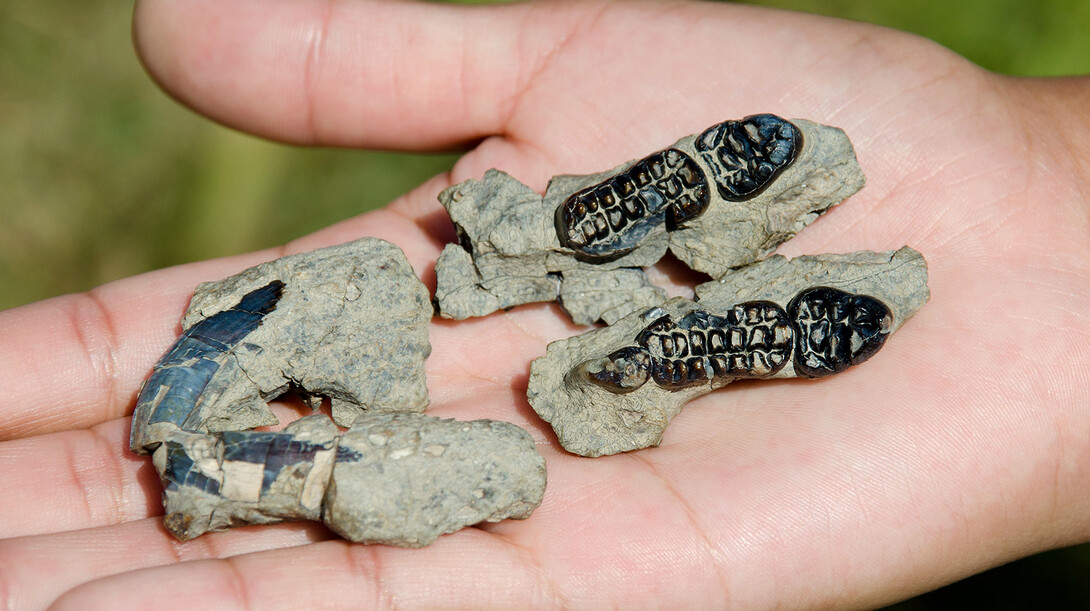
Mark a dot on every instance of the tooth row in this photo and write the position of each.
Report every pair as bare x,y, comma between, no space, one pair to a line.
610,218
835,330
754,340
744,156
826,330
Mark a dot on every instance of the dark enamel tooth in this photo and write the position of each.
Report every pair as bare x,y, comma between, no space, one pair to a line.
688,177
715,347
719,366
686,202
667,346
657,169
681,372
716,343
697,370
664,372
753,315
759,367
737,364
781,336
758,339
737,339
617,219
601,226
681,344
745,156
671,188
835,330
696,343
624,186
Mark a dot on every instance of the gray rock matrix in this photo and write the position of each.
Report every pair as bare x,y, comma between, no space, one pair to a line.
592,421
509,253
352,325
349,322
396,479
415,477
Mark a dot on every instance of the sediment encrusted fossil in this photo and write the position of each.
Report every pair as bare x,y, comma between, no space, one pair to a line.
717,200
827,331
669,188
350,323
615,389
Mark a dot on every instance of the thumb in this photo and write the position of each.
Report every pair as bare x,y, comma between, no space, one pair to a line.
370,73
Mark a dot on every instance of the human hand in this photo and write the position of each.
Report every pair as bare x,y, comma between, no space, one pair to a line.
963,444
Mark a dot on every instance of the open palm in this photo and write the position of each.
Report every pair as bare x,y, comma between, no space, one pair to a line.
964,443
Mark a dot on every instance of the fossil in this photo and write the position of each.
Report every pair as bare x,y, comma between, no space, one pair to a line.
835,330
348,323
827,331
611,218
395,478
744,156
177,385
615,389
717,200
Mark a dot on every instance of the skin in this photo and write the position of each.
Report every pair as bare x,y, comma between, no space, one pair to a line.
964,444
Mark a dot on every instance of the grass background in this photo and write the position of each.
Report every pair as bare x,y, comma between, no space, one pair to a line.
102,176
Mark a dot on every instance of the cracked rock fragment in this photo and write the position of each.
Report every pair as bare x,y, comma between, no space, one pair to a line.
591,295
351,325
719,199
348,322
615,389
396,479
405,479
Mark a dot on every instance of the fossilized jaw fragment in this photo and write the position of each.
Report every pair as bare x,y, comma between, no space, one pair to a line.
395,479
350,323
622,371
615,389
215,482
827,331
609,219
717,200
171,398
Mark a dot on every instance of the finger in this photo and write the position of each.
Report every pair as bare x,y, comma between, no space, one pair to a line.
339,574
77,360
34,571
610,551
76,557
74,480
416,75
88,478
368,73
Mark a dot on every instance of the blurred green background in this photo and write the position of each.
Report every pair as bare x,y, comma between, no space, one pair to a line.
102,176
